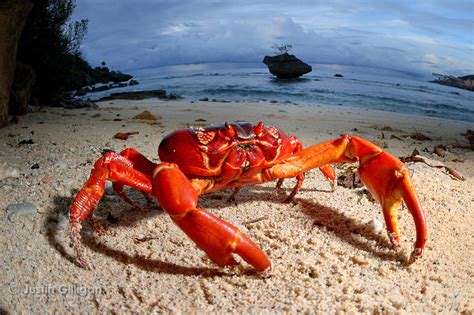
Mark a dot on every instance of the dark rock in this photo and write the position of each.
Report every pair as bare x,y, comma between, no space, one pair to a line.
86,76
101,88
13,14
133,82
140,95
75,104
338,75
470,137
117,85
350,181
286,66
83,91
29,141
117,76
465,82
204,99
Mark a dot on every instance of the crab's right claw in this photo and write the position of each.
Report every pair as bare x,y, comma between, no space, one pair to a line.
219,239
389,181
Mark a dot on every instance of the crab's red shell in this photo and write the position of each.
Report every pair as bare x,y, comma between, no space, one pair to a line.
196,161
203,151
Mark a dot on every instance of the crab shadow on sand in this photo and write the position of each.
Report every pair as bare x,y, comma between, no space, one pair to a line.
330,219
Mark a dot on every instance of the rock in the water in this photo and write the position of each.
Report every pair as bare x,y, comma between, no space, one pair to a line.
16,210
133,82
139,95
338,75
82,91
6,172
101,88
117,76
286,66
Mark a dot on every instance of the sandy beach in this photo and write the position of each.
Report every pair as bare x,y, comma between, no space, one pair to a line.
329,250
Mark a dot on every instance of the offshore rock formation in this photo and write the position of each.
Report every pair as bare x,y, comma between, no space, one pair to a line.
286,66
465,82
13,14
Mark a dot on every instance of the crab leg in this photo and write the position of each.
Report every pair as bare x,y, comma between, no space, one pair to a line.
216,237
385,176
140,163
111,166
327,171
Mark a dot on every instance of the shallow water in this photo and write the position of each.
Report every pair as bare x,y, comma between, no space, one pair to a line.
360,87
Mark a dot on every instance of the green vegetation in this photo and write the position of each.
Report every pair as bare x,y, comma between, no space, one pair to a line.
50,43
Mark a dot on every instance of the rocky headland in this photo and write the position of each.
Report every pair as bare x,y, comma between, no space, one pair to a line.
465,82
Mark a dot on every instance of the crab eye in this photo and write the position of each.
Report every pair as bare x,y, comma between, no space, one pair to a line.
273,132
229,130
258,130
205,137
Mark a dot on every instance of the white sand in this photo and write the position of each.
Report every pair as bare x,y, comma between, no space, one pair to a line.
326,254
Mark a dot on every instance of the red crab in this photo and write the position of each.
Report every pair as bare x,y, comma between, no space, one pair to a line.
198,161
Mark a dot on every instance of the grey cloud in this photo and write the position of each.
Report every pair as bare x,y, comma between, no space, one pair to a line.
154,33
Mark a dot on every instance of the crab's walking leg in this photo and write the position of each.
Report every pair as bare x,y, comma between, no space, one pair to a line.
215,236
385,176
327,171
139,162
330,174
111,166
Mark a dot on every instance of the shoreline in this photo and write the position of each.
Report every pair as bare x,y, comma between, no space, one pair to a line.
322,113
329,251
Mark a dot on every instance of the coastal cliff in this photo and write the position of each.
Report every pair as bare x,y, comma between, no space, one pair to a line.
13,14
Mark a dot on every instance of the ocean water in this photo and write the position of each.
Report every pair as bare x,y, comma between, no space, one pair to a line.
359,87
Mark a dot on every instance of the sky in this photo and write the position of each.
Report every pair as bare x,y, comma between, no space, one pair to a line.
418,37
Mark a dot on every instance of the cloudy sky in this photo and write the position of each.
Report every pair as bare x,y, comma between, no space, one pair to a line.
414,36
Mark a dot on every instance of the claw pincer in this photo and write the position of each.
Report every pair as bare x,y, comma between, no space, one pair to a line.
197,161
389,181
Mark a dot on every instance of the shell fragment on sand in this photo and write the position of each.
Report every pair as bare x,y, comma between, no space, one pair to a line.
146,115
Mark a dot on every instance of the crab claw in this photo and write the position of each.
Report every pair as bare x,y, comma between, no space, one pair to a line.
219,239
388,179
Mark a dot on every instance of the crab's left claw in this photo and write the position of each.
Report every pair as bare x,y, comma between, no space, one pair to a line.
388,179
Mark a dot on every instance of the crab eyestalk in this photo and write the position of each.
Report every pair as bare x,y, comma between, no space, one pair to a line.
389,181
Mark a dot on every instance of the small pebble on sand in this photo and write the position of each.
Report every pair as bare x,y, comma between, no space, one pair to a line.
8,172
60,164
375,226
16,210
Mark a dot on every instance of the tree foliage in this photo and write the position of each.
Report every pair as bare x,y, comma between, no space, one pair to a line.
282,49
50,43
